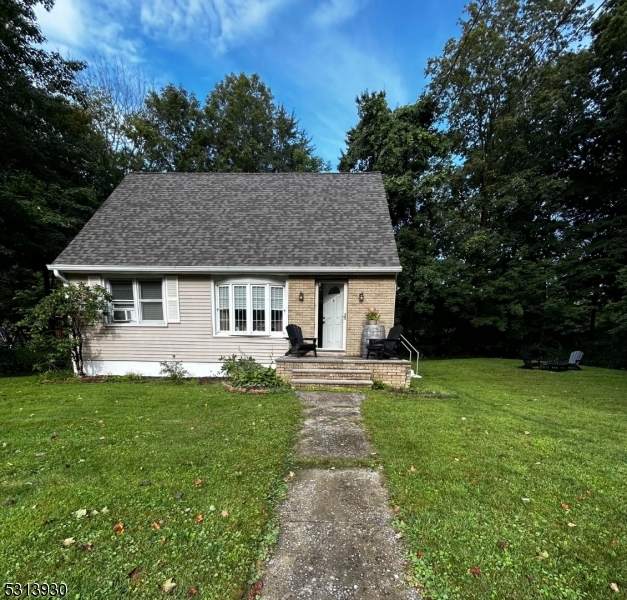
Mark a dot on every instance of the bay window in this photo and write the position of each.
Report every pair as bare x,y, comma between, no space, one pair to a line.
249,308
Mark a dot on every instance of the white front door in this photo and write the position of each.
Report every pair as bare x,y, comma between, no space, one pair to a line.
333,316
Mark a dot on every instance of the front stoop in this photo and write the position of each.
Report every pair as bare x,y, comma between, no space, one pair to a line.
344,371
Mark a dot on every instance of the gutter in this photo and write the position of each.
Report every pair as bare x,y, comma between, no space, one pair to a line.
217,269
58,275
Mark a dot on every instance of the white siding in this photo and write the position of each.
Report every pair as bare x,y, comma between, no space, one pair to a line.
190,340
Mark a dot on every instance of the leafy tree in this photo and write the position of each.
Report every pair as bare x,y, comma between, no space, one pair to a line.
72,310
238,129
50,168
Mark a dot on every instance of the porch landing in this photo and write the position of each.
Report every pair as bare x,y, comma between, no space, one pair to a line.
342,371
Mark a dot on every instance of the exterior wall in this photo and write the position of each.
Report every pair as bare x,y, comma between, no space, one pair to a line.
114,348
380,293
303,313
191,340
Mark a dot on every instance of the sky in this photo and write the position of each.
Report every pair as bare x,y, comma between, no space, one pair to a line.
317,56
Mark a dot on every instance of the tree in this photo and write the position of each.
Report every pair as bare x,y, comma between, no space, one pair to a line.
72,310
238,129
50,169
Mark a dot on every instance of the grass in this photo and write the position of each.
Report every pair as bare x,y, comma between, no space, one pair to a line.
138,449
503,461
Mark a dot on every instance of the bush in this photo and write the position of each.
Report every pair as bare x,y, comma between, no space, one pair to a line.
247,373
173,370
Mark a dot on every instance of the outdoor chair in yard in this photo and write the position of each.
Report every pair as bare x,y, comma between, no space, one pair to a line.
527,360
385,348
298,346
572,364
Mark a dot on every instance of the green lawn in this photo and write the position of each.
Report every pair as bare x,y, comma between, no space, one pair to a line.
138,449
504,459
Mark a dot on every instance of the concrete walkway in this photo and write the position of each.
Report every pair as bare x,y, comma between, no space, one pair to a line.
336,540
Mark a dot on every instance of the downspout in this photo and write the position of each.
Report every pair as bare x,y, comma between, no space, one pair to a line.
59,276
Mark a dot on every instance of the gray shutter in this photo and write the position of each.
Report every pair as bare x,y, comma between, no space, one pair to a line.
93,280
172,299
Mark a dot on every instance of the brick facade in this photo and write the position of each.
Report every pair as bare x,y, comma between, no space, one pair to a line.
379,292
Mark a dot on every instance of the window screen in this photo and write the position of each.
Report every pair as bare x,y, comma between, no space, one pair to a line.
259,307
223,308
239,299
123,305
151,300
276,308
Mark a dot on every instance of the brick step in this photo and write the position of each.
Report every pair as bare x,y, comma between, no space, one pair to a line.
333,373
331,382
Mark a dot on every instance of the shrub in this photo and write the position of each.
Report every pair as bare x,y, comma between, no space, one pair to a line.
173,370
245,372
132,377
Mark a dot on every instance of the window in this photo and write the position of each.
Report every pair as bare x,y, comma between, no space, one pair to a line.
136,301
249,308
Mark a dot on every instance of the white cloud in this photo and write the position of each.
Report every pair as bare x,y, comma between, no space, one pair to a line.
221,24
63,25
335,12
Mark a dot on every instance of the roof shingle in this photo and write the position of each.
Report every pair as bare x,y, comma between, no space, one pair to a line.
240,220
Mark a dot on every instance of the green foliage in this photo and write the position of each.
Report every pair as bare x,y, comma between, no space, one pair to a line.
132,377
239,129
490,436
173,370
244,371
60,323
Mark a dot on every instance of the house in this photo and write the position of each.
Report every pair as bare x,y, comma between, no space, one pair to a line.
205,265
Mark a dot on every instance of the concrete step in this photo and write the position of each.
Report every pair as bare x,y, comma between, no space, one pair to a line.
331,382
333,373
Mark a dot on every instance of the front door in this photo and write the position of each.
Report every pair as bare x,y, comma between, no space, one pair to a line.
333,316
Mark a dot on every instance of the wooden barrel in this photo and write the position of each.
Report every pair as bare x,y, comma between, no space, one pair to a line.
370,332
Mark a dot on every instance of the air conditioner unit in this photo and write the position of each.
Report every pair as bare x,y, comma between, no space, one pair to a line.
123,315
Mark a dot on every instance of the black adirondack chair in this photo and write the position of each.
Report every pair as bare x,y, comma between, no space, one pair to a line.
298,346
385,348
527,360
572,364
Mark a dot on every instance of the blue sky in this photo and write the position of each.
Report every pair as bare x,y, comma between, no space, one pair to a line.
316,55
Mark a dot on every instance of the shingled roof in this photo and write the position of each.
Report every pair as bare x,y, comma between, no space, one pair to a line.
239,220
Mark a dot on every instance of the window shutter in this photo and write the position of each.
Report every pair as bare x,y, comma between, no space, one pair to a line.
93,280
172,299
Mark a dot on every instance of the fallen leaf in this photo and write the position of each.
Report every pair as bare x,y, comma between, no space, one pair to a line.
104,510
80,513
475,571
565,506
420,554
613,542
212,508
118,528
543,555
525,499
198,481
199,518
192,591
255,589
162,540
133,573
398,536
614,587
40,453
588,492
87,546
396,509
463,418
527,432
102,437
224,513
168,586
572,525
145,483
412,469
156,526
67,542
52,437
503,544
457,460
178,495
